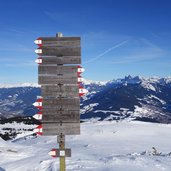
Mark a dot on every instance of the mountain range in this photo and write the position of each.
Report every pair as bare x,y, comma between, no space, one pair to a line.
130,98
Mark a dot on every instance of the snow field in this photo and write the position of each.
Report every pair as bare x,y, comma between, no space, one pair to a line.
102,146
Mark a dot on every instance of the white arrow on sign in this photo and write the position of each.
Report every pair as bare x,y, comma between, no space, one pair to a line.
53,152
38,116
38,103
82,91
39,51
38,42
38,60
80,70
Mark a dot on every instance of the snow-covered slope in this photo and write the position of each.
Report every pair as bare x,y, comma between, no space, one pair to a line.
102,146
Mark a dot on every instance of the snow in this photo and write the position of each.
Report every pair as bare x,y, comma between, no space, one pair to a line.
87,82
89,95
19,85
160,100
144,110
89,107
148,86
124,109
102,146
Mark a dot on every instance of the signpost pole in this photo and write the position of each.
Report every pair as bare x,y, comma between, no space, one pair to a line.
62,156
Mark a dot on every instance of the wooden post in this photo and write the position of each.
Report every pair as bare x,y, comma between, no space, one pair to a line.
61,141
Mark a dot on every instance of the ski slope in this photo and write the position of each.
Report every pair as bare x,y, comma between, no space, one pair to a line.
102,146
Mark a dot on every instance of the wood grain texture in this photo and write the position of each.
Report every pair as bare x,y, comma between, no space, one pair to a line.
61,104
54,111
57,80
59,116
61,128
65,91
61,60
61,41
64,101
57,70
60,51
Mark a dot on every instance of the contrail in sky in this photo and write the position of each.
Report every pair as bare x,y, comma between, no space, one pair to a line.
106,51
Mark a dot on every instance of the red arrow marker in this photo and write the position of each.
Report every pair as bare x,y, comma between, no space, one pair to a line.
38,103
38,51
38,116
53,152
38,41
38,60
82,91
80,70
39,130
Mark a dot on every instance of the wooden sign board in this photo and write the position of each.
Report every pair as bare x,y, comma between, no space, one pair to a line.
61,60
58,102
60,91
50,111
61,128
57,70
63,152
60,51
63,116
57,80
61,104
60,41
62,107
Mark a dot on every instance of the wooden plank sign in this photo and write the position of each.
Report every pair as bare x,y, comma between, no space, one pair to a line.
58,60
57,91
60,128
58,79
59,102
58,70
60,153
64,111
58,41
58,51
62,107
64,116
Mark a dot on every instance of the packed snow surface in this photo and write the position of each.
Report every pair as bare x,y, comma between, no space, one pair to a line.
102,146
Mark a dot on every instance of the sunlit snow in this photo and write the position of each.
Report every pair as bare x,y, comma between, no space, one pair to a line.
102,146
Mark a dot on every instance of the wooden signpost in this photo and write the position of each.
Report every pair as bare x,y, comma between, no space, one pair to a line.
60,60
59,77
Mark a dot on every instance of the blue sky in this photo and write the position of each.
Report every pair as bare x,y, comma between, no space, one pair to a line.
119,37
